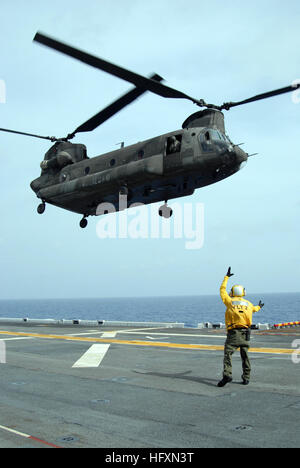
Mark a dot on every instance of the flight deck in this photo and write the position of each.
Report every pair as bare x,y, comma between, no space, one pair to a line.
145,387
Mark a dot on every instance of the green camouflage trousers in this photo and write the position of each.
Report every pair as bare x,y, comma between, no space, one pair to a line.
237,338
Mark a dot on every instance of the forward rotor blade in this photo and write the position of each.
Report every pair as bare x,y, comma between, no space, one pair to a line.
138,80
29,134
112,109
258,97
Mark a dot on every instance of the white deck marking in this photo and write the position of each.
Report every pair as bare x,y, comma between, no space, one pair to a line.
161,337
135,332
93,356
112,333
19,338
86,333
14,431
27,436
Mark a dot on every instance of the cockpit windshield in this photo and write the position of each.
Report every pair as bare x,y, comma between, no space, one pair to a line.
217,135
212,136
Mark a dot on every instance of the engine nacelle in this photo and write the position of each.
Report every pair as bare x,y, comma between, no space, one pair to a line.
62,159
61,154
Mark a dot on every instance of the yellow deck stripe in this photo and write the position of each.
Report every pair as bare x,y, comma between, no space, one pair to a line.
146,343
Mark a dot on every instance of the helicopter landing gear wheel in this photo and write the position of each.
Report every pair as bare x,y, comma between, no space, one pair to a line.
165,211
83,222
124,190
41,208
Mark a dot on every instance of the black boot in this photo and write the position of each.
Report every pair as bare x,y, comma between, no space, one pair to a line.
245,381
224,381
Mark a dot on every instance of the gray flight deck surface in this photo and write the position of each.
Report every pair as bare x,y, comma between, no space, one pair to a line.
154,388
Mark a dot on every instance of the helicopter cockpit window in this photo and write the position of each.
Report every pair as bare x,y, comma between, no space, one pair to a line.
216,135
210,137
207,137
173,144
206,140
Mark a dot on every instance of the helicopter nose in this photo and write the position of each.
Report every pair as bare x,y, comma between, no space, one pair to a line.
241,156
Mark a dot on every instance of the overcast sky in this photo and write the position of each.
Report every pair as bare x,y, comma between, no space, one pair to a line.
219,51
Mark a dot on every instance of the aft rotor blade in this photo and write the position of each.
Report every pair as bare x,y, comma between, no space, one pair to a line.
258,97
29,134
138,80
112,109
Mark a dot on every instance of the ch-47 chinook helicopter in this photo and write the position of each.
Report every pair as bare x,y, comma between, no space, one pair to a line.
168,166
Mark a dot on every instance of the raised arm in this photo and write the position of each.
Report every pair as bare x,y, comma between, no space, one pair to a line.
257,308
223,293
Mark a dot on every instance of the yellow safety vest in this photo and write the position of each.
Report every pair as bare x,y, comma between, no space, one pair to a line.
239,311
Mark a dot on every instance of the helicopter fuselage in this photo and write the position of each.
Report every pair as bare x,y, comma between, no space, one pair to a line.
168,166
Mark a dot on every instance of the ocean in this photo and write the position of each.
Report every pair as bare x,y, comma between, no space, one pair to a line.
191,310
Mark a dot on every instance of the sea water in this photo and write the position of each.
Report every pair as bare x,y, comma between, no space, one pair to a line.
191,310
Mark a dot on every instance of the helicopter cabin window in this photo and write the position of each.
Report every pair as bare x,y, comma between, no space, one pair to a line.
173,144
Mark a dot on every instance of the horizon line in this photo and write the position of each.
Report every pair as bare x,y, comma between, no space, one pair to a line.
135,297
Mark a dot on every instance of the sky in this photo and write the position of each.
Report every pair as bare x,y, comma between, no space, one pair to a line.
218,51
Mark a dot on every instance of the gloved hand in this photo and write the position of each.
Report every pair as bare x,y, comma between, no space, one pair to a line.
229,272
261,304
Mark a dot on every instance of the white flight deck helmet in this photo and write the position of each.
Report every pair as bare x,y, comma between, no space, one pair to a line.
237,291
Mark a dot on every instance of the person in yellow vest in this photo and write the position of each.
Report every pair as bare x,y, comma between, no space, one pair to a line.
238,320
